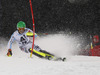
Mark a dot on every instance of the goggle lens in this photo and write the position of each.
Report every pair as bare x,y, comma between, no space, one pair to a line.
21,29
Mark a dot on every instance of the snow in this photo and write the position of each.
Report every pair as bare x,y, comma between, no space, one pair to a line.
21,64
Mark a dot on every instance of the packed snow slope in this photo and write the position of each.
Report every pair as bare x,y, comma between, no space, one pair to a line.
59,44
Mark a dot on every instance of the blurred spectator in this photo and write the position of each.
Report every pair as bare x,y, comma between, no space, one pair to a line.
95,46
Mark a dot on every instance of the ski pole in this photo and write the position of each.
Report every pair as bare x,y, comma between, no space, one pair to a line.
33,27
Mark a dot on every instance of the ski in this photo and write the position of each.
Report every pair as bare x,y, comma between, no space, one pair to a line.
56,58
60,59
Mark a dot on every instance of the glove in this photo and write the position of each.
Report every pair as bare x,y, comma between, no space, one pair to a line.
9,53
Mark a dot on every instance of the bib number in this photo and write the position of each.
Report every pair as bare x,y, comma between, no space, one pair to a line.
23,39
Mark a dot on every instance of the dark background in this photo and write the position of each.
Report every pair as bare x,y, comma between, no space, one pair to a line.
51,15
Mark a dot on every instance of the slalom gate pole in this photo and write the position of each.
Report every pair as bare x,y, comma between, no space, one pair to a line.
33,27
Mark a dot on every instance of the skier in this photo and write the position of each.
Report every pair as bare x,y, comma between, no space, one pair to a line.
21,36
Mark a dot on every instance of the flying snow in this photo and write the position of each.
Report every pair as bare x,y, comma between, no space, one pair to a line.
61,44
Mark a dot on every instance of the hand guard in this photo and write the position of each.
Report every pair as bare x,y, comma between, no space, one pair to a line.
9,53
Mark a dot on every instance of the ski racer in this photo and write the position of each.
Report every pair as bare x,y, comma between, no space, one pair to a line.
21,36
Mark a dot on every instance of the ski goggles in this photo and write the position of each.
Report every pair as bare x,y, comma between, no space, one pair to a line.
21,29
